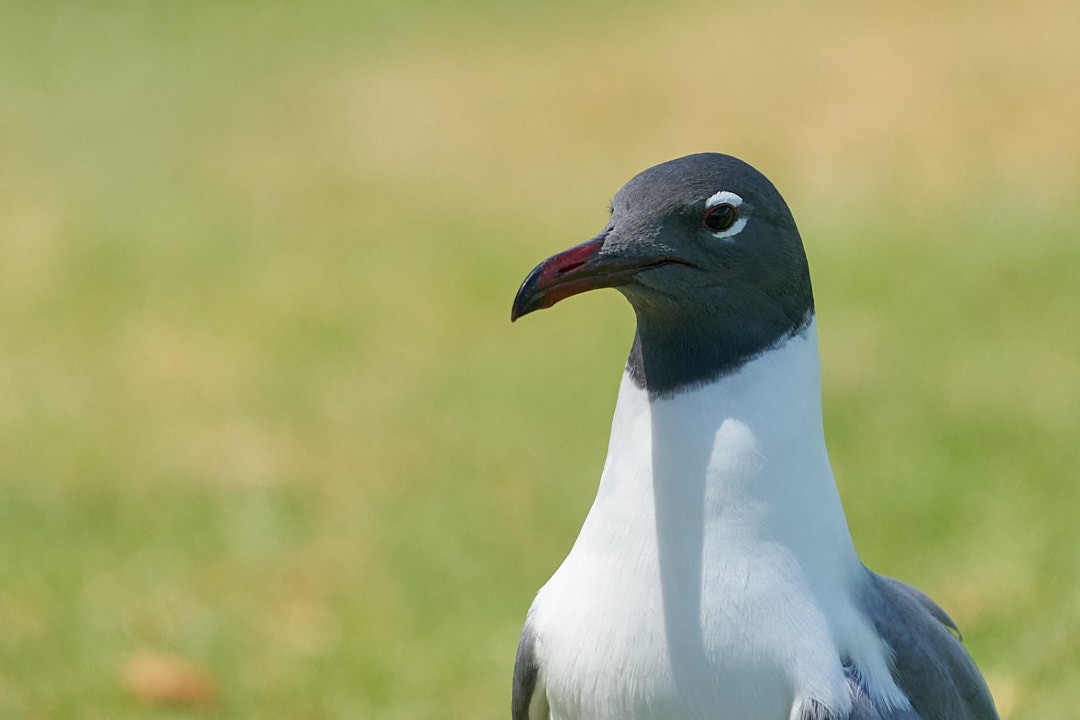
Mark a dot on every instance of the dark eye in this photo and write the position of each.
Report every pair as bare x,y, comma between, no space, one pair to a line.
720,217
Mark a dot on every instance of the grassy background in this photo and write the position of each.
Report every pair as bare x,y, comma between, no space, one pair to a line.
261,406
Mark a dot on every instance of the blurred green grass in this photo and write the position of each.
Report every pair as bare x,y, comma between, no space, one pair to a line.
260,402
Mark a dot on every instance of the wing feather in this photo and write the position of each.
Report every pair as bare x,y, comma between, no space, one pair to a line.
930,663
526,672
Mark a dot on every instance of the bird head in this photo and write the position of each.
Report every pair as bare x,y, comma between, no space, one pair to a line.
703,247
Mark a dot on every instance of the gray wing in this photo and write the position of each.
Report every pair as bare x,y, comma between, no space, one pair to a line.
526,671
930,664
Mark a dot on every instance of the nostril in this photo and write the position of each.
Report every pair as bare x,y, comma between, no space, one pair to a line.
569,268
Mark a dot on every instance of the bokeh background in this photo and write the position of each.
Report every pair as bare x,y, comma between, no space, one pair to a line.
269,445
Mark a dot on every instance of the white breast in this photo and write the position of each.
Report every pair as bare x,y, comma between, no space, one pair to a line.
714,575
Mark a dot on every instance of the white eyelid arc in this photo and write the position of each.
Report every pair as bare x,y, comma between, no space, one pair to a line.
724,196
735,229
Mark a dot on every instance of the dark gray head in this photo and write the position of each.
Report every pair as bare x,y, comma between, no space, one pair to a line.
707,252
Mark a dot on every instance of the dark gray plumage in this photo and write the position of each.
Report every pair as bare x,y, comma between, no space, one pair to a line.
526,669
729,302
930,664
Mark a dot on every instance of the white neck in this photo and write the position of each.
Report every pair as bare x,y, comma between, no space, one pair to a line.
717,509
743,456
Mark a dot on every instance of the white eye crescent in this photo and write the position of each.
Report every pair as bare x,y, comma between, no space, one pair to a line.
722,215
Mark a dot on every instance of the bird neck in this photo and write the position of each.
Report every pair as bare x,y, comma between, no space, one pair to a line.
735,462
678,348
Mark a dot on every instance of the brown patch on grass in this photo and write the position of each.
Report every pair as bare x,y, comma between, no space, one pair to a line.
164,680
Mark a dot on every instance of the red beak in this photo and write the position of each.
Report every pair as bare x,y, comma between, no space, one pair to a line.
570,272
576,270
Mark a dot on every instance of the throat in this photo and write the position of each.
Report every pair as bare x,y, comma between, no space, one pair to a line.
732,462
674,355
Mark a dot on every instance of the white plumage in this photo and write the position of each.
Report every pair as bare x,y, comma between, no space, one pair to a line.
717,538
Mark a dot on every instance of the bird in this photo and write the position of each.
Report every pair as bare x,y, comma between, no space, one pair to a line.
714,576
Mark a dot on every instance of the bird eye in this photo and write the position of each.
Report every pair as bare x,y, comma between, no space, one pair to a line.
720,217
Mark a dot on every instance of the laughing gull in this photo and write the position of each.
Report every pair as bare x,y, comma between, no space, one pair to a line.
715,576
